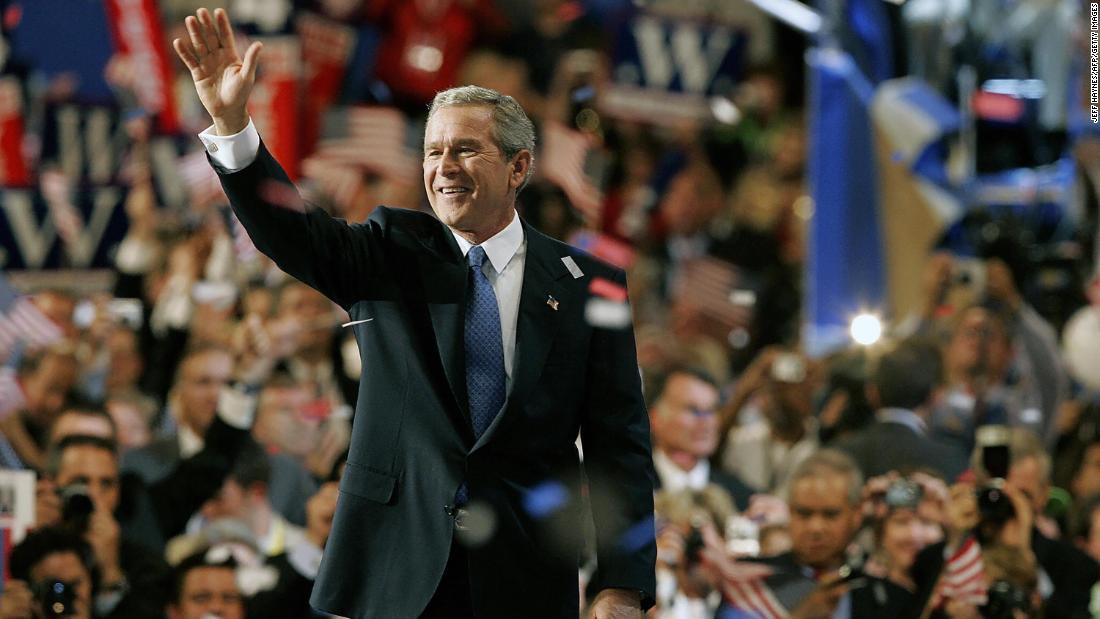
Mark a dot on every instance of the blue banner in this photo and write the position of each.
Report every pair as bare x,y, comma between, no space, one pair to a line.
846,272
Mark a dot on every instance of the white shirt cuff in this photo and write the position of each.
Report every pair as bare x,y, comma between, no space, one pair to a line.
305,558
236,408
232,152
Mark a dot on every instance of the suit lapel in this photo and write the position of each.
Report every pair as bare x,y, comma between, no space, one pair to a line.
543,275
444,275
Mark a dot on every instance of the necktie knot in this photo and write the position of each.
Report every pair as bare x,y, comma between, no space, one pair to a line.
476,256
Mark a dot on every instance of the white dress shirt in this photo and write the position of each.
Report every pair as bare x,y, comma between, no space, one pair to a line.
507,249
674,479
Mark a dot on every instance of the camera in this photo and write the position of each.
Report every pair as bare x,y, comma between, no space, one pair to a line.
903,494
76,507
994,506
1003,599
693,545
56,597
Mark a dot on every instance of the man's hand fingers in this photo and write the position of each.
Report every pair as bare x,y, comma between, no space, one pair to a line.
208,31
225,30
250,60
197,42
186,54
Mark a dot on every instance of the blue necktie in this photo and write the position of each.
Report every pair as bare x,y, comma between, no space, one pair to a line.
485,375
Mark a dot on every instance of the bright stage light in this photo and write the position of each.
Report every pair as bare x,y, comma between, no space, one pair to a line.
866,329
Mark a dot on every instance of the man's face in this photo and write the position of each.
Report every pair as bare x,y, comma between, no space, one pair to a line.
133,430
66,566
470,184
47,387
684,418
208,591
94,467
1086,482
822,520
309,308
230,502
74,422
125,359
280,421
201,379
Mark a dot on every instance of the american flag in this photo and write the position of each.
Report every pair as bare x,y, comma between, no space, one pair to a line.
22,322
564,154
964,576
711,285
760,591
11,395
358,140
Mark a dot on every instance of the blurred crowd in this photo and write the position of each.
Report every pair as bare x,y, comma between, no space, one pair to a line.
189,426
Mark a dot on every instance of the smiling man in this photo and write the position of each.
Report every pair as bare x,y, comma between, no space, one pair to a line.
479,370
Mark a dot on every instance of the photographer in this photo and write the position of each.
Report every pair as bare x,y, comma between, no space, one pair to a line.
905,514
132,581
687,521
1001,509
815,580
52,570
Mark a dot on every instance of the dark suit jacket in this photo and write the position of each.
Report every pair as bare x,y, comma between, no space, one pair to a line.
886,446
159,491
412,443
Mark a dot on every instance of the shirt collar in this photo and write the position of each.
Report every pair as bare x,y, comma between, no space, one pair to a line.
674,478
190,443
500,247
905,417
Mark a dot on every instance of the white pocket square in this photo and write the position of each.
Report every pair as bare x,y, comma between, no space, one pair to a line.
356,322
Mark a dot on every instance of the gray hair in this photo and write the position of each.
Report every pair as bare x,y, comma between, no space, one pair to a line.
513,131
831,462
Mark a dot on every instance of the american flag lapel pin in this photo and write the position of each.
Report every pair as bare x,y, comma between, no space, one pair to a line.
552,302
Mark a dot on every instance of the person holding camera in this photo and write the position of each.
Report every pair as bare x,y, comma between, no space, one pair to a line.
131,581
1000,509
905,515
816,579
52,575
764,452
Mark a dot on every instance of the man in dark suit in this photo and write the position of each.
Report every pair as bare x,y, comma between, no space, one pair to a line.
900,389
683,415
479,370
813,580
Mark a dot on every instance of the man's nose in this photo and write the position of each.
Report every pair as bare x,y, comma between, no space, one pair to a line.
447,164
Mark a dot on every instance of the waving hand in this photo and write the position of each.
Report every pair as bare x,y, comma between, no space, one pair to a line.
222,80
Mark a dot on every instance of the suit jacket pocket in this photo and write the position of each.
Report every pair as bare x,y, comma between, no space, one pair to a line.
368,483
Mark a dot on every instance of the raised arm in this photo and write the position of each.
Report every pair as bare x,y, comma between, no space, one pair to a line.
326,253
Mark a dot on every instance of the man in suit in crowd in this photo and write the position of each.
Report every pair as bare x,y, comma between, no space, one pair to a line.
814,580
901,387
479,370
685,435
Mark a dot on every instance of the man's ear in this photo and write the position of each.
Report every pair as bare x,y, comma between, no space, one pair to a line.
521,163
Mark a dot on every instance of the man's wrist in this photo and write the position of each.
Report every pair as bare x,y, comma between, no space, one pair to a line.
230,124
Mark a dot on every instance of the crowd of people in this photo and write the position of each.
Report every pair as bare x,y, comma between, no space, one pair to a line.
189,430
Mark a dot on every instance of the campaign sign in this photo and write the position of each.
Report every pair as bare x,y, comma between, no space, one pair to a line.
666,66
